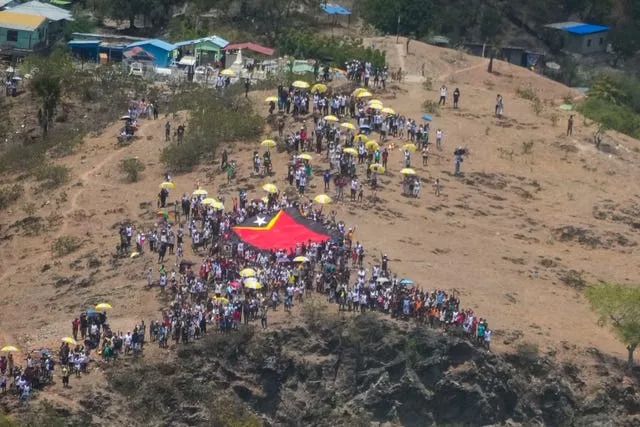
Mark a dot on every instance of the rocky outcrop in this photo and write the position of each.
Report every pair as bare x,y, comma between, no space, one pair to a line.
365,369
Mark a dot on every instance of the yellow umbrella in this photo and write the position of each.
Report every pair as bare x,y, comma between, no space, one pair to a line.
374,101
227,72
103,306
407,171
247,272
330,118
69,340
9,348
301,259
271,99
351,151
209,201
270,188
388,110
410,147
166,185
361,137
365,94
304,156
322,199
265,200
253,285
300,84
268,143
359,91
348,126
376,106
218,206
200,192
221,299
372,145
377,167
319,87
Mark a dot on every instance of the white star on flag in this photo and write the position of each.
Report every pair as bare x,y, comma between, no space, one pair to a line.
260,221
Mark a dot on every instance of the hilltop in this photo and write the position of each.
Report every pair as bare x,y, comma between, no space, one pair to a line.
535,217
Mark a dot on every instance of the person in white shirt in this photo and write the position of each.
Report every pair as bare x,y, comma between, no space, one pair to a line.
487,339
439,135
443,95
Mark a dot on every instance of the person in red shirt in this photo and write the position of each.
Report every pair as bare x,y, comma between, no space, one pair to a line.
75,325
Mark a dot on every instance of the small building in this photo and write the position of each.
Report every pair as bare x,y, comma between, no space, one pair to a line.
576,37
21,34
56,16
253,53
161,51
207,50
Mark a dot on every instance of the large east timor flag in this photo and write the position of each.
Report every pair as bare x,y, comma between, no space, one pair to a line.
281,230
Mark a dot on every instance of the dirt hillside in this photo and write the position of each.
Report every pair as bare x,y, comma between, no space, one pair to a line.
534,218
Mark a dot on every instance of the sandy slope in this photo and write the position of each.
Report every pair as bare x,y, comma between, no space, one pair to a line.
492,235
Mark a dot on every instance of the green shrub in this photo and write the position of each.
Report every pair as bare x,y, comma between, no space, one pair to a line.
131,168
51,176
430,107
306,44
611,116
536,106
554,119
526,93
213,120
9,195
65,245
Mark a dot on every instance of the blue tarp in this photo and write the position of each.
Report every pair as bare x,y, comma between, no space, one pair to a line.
334,9
586,29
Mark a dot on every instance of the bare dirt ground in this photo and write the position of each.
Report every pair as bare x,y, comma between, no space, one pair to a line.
534,218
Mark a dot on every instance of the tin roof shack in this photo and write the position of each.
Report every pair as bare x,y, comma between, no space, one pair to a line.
21,34
576,37
207,50
56,17
160,50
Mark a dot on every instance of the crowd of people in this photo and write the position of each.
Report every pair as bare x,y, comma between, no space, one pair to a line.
235,284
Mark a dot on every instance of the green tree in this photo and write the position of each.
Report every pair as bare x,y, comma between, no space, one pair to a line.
403,16
48,74
619,307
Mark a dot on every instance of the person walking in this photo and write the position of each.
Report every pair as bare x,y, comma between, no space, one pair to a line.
456,98
167,132
263,316
570,126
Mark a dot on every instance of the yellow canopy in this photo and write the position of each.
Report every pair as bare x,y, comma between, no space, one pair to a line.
323,199
270,188
300,84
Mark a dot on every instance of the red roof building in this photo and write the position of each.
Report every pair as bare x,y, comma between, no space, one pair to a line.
253,47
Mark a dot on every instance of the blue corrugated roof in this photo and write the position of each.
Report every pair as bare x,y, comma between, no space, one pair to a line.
84,42
334,9
586,29
160,44
218,41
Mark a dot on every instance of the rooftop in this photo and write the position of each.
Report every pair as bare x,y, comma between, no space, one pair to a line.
252,47
49,11
334,9
218,41
20,21
160,44
578,28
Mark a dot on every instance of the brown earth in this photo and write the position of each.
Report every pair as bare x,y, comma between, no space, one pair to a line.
535,217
